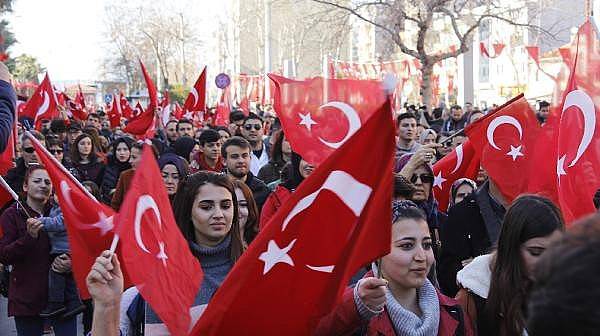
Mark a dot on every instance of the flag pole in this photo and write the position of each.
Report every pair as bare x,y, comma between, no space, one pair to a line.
113,244
14,195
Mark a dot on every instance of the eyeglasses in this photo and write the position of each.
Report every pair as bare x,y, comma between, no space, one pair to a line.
257,127
55,151
29,150
425,178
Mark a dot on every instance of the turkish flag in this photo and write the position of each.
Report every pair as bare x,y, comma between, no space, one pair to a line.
75,108
143,125
223,109
196,99
462,162
80,98
177,111
245,106
504,140
165,106
125,107
578,156
7,157
43,104
114,114
89,223
155,252
338,220
319,115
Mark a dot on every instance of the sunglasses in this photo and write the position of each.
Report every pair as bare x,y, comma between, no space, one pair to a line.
29,150
257,127
55,151
425,178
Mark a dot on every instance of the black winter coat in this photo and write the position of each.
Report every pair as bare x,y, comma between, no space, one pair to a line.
472,229
260,191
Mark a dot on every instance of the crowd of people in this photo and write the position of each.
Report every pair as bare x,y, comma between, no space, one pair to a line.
484,267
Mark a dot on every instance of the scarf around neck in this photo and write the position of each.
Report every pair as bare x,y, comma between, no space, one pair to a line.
406,322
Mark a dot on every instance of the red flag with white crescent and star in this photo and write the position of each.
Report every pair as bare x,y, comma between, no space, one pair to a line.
266,293
462,162
143,125
114,114
223,110
196,99
89,223
318,115
75,108
42,105
577,159
504,141
125,107
156,254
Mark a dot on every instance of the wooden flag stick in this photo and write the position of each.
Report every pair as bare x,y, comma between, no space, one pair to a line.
14,195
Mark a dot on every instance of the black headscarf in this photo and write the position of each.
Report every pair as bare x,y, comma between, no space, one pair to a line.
294,178
183,147
112,159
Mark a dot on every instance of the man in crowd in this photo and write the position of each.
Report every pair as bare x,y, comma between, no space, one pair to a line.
457,121
185,128
236,121
171,132
93,120
253,131
16,175
209,157
543,111
407,134
236,155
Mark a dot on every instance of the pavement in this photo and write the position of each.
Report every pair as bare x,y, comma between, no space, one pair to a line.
7,325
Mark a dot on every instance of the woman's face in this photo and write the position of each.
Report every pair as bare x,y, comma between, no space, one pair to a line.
305,169
57,152
85,147
38,186
411,254
421,180
212,214
242,208
463,191
171,177
429,139
135,157
532,250
122,152
285,147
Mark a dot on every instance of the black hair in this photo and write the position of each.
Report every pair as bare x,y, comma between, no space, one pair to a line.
222,128
253,116
406,209
236,115
234,141
406,115
543,103
402,187
208,135
183,121
564,298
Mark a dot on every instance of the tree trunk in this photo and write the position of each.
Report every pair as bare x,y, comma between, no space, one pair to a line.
426,89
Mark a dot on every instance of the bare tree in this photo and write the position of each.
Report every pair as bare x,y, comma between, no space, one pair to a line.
395,17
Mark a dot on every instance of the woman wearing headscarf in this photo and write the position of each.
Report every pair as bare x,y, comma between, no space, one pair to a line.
118,162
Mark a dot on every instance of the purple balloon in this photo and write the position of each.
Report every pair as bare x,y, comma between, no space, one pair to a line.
222,80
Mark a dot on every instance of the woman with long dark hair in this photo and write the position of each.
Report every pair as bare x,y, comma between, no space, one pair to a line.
248,212
118,162
85,159
495,286
206,211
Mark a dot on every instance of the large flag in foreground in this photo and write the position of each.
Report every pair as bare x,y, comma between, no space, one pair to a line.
504,141
89,223
318,115
578,156
338,220
154,251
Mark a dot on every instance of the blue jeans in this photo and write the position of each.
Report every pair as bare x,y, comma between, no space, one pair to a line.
34,326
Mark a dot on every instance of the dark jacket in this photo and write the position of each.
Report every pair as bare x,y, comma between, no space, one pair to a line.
8,103
472,228
450,126
345,319
16,175
260,191
93,171
111,176
30,258
271,171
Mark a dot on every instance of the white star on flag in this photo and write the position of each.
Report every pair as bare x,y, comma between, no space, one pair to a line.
104,223
515,152
275,255
188,115
560,167
161,254
307,120
438,180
